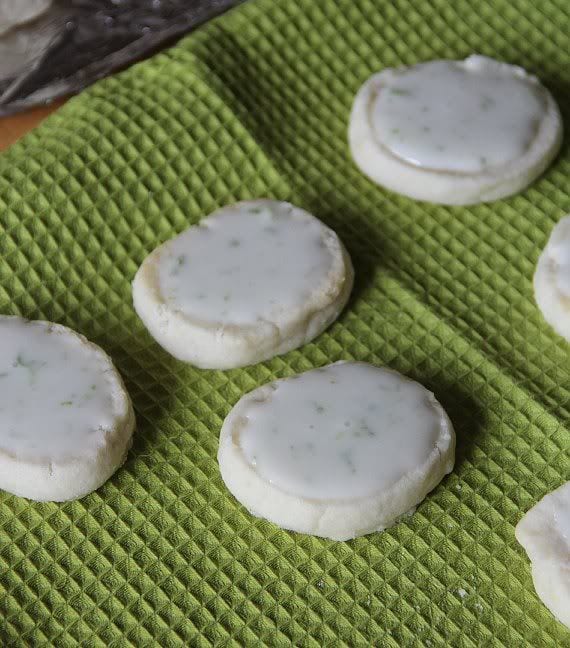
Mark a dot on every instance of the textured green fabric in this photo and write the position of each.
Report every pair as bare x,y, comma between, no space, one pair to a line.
256,104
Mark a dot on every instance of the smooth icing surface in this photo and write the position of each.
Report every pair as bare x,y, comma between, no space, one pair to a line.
245,265
561,520
544,532
449,116
55,398
347,431
545,529
559,252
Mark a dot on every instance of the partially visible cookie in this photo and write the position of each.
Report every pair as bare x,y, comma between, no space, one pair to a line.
544,532
251,281
552,279
66,420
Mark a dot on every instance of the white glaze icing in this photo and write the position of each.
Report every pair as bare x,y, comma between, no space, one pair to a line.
56,399
344,432
559,252
246,264
449,116
544,532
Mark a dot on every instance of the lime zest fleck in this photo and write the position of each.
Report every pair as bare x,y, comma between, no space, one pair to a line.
33,366
401,92
180,261
346,457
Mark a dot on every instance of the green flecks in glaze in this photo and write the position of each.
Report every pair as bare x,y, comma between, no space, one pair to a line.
235,242
364,429
346,458
319,408
180,261
33,366
401,92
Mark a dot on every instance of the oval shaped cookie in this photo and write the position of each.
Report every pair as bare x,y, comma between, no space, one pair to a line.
336,452
454,132
552,279
544,532
251,281
66,420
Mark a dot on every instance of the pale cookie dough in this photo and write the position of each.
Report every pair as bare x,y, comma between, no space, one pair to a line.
66,420
336,452
251,281
454,132
544,532
18,12
552,279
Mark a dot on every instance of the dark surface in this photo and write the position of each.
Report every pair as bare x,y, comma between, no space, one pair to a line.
94,38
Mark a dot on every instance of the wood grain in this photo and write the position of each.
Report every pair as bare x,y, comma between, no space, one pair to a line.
13,127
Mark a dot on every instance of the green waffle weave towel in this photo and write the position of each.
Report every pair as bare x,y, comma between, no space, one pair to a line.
256,104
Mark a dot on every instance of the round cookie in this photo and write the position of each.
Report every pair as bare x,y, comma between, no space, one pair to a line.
336,452
544,532
552,279
454,132
251,281
66,420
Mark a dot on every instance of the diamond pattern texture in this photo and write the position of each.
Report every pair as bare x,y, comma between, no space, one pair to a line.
256,104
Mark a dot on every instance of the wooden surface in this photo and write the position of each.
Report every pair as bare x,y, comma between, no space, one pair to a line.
12,128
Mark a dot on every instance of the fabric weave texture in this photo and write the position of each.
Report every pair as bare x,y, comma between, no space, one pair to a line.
256,104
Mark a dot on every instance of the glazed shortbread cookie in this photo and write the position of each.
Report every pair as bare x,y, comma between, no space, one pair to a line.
454,132
251,281
336,452
552,279
66,421
544,532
